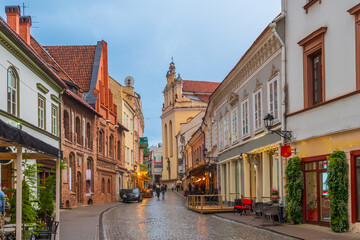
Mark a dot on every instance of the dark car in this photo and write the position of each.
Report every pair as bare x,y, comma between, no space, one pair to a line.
128,195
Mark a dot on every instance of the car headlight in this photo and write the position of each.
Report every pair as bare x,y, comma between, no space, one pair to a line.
137,195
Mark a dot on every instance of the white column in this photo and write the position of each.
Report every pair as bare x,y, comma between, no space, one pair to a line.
258,180
266,176
247,184
18,191
57,198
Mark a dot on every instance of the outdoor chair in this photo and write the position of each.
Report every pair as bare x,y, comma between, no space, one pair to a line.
270,212
49,233
245,204
237,205
258,209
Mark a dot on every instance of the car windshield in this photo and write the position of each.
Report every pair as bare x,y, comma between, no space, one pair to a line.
136,190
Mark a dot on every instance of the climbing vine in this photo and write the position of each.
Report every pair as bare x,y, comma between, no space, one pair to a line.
338,181
294,189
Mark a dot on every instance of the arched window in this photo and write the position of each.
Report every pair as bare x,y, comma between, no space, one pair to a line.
118,150
108,186
88,136
111,146
166,141
72,172
90,173
103,185
12,92
171,139
78,130
101,141
67,125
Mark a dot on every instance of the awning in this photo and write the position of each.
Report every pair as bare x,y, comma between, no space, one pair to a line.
144,178
198,169
11,136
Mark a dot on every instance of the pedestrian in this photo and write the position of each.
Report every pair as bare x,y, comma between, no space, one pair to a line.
2,201
172,187
165,187
163,190
157,190
177,187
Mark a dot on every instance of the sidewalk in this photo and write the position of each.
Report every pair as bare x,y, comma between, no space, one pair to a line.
83,222
301,231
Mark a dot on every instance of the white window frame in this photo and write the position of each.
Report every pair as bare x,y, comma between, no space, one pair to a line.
257,108
214,133
221,135
41,112
12,93
226,131
245,119
271,99
234,125
131,125
54,119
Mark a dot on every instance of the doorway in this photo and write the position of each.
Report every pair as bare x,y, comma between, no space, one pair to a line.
316,192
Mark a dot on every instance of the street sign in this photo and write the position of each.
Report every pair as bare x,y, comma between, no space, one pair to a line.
144,142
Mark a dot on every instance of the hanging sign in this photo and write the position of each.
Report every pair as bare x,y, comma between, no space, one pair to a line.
285,151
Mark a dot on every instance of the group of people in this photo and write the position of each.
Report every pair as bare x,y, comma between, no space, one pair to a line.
158,188
178,187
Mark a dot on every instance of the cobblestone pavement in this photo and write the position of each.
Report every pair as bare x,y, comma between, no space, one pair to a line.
169,219
82,223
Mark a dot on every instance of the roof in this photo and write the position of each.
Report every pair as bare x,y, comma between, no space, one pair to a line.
199,86
77,61
82,101
31,52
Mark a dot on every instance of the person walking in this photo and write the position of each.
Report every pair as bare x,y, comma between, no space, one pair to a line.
163,189
2,201
172,187
158,190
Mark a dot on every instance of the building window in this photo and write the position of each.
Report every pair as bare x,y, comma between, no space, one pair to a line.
90,174
101,141
12,92
118,150
234,125
131,126
245,117
78,130
41,112
88,136
103,185
226,130
171,147
314,67
72,172
221,136
273,99
54,120
109,186
214,133
111,146
257,110
132,157
356,12
67,125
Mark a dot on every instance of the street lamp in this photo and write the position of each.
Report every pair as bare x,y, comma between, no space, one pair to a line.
269,121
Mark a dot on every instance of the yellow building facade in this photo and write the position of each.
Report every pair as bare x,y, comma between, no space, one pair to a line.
183,100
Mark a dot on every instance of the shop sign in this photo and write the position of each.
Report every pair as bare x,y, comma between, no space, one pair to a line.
144,142
144,168
146,152
285,151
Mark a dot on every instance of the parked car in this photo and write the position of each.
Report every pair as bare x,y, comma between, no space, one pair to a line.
128,195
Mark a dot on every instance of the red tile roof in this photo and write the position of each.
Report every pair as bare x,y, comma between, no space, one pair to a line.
199,86
77,62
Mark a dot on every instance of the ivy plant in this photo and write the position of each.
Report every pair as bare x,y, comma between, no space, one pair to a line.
338,183
294,189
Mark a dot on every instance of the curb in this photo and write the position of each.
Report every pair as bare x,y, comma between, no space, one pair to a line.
263,228
101,226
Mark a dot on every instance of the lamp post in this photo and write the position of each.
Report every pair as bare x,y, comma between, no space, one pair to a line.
269,121
210,161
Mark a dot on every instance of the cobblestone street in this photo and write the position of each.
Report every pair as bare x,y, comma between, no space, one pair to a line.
169,219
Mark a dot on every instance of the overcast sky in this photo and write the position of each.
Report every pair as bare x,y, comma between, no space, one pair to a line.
205,37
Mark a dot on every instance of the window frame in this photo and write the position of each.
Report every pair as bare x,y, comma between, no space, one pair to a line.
234,134
244,135
356,12
41,97
271,101
221,134
313,44
257,110
353,200
226,130
55,120
17,95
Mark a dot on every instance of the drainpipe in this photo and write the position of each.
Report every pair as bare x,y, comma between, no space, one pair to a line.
283,96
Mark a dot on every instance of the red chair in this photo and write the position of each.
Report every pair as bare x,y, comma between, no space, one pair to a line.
243,205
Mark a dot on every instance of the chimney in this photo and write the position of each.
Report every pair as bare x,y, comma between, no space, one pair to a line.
25,24
13,15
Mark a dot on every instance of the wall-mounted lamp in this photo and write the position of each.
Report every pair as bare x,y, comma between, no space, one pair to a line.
269,121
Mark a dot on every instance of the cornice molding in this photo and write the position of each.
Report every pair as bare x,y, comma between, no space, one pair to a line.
265,51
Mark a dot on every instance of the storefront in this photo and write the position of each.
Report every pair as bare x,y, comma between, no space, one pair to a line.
316,203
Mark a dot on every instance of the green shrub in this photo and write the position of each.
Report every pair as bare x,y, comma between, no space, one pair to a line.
294,189
338,181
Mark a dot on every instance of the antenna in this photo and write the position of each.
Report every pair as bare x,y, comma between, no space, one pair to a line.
23,8
172,59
